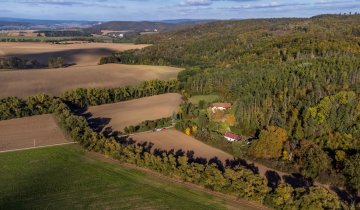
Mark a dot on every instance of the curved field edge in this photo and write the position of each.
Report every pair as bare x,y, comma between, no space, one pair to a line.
56,81
67,177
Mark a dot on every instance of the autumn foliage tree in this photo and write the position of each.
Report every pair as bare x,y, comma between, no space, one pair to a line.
270,143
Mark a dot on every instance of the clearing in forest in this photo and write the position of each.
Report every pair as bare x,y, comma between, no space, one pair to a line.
22,132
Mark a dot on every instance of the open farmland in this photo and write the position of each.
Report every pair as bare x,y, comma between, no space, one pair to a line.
133,112
85,72
21,133
172,139
55,81
65,177
81,54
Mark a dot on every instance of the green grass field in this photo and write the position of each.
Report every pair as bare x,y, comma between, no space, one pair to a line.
207,98
66,178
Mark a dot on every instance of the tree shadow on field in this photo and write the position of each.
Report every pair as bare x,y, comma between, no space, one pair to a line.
273,178
297,181
347,195
70,56
98,124
243,163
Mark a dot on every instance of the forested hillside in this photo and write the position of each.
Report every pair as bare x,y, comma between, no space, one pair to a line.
300,76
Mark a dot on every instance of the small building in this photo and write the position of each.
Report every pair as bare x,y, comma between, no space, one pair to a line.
220,106
231,136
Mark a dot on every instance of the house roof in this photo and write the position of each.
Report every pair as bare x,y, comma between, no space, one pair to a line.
224,105
232,135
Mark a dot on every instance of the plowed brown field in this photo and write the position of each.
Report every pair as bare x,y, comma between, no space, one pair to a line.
81,54
21,133
55,81
133,112
85,72
171,139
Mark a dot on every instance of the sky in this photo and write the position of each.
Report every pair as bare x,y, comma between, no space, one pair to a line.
105,10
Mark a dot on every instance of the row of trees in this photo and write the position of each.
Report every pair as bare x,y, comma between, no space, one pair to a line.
13,107
83,98
234,179
150,125
21,63
57,62
18,63
64,33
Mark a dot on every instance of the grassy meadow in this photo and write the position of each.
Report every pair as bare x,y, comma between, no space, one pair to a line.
66,177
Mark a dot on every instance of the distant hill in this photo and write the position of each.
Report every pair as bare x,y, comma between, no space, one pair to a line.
140,26
20,23
7,23
132,26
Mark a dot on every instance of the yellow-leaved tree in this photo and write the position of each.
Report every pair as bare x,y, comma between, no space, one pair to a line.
270,143
188,131
230,119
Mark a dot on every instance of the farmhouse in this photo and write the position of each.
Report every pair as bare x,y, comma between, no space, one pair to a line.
231,136
220,106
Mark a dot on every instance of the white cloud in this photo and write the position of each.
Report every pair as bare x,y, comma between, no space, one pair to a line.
196,3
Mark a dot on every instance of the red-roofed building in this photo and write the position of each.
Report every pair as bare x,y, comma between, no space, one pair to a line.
220,106
231,136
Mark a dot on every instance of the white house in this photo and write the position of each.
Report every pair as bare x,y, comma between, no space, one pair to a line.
231,136
220,106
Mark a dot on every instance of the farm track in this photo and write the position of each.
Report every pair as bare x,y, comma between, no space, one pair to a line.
40,130
35,147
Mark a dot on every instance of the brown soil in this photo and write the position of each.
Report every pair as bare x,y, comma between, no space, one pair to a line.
172,139
82,54
56,81
85,72
133,112
21,133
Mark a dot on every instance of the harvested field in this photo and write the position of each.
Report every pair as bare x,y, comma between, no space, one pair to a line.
122,114
23,33
85,72
21,133
81,54
172,139
55,81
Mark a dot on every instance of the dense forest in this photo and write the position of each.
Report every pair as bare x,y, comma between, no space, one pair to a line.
294,85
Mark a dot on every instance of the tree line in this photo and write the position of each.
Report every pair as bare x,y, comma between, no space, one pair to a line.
22,63
64,33
82,98
148,125
232,179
